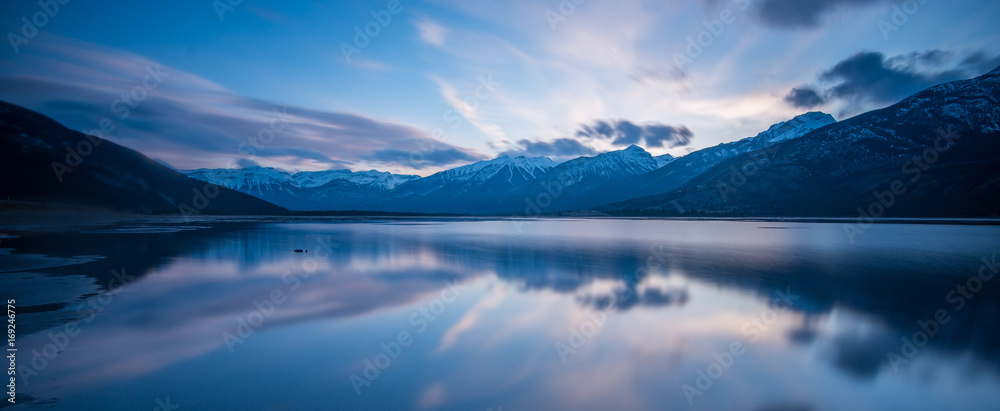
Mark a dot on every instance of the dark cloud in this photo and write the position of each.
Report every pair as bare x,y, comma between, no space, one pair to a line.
563,147
628,134
192,122
794,14
868,76
667,136
600,128
804,97
623,133
981,63
868,79
245,163
418,159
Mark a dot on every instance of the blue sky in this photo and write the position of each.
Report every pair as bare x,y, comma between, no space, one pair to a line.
445,83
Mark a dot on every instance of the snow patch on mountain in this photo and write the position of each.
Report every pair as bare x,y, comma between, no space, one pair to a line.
256,180
796,127
664,160
382,180
267,179
611,165
485,170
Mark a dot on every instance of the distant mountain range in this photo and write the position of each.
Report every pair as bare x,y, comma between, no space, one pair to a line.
470,189
306,190
508,185
505,185
941,145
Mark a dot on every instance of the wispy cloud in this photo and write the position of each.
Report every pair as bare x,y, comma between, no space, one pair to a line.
191,122
472,103
431,32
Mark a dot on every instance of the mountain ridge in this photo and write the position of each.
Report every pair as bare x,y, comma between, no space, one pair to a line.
326,190
883,146
683,169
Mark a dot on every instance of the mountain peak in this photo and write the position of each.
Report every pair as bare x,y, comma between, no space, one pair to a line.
541,161
485,169
663,160
812,115
796,127
630,151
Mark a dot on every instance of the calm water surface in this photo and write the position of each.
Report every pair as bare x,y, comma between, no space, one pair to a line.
511,315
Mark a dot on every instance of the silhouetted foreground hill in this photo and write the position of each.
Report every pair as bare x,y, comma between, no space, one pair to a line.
42,161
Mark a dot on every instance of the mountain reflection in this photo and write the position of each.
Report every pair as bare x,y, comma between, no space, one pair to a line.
854,302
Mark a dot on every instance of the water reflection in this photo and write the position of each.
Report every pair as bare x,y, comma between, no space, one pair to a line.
669,296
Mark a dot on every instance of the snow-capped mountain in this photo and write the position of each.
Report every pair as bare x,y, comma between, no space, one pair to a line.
609,166
683,169
794,128
572,183
381,180
501,185
798,126
933,154
466,189
304,190
664,160
256,181
488,186
523,167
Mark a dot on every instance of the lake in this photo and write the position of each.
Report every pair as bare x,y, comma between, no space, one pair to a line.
470,314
